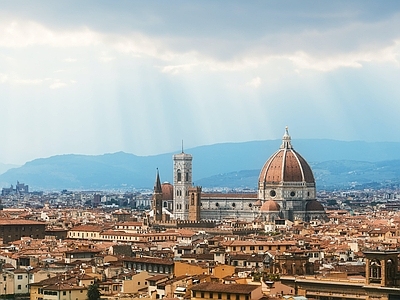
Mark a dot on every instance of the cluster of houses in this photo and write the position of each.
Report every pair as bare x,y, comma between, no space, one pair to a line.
59,254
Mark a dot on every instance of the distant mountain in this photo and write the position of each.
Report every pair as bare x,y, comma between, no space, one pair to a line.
227,164
6,167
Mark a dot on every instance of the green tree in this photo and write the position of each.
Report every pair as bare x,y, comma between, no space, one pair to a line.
93,292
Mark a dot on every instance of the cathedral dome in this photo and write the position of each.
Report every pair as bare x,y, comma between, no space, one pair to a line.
167,191
314,205
286,165
270,206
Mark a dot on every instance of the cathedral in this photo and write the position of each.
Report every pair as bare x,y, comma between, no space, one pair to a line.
286,191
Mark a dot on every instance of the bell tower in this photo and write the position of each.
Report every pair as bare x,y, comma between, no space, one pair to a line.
157,199
182,182
382,268
194,203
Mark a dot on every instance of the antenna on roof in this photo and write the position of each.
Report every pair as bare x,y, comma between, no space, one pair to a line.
182,146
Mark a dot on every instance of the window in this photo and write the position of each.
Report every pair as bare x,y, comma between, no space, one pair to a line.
179,175
260,247
19,277
19,287
186,176
194,294
237,297
252,248
219,296
228,296
211,295
202,295
375,269
64,293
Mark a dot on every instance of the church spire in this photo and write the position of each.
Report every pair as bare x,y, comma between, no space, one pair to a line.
157,185
286,140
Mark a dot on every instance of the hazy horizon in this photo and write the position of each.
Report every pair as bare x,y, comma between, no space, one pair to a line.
188,150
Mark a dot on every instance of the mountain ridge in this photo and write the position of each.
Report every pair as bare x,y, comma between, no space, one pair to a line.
125,170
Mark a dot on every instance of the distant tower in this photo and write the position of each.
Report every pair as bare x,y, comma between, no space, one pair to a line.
182,182
194,203
382,268
157,199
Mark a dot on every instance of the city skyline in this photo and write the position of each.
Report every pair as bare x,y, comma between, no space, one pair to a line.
99,77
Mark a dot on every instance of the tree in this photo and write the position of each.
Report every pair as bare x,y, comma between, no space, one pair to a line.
93,292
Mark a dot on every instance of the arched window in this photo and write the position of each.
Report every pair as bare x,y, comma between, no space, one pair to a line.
187,176
178,175
390,269
375,269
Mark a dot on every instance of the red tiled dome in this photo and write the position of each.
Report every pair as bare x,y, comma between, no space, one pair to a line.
167,191
258,203
314,205
270,206
286,165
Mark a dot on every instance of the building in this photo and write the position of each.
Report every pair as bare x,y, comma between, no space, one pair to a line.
19,189
211,290
286,190
381,281
287,179
14,229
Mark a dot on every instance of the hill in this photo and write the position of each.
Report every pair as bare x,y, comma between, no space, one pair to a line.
335,163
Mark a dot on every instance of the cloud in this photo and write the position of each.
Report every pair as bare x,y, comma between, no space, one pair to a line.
13,80
176,69
57,84
3,78
323,50
104,57
255,82
17,34
27,81
70,60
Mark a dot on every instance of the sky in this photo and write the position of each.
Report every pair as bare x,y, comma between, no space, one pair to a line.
94,77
